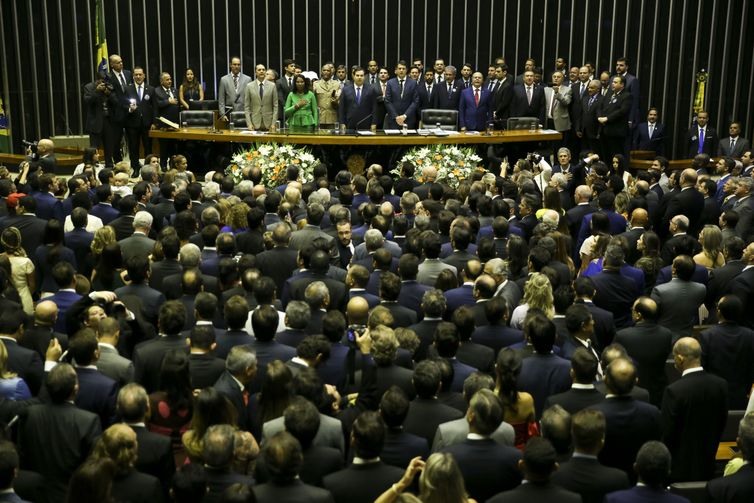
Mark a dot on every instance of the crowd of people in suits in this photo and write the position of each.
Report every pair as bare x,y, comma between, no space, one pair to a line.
376,338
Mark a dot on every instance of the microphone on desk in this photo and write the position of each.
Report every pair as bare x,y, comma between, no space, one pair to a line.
356,129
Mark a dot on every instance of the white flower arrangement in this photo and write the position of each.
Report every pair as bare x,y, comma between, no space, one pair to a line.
453,164
273,159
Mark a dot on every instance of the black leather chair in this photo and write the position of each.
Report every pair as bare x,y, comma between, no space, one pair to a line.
448,119
523,123
238,119
198,118
695,492
203,105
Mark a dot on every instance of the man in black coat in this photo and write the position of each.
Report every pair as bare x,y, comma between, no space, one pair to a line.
23,361
264,321
487,467
538,465
148,355
205,368
97,392
119,80
630,422
587,127
721,277
155,451
613,117
688,201
694,412
400,447
280,262
649,345
240,369
728,350
31,227
217,454
426,412
583,473
367,477
140,97
742,286
582,393
55,438
528,100
615,292
166,105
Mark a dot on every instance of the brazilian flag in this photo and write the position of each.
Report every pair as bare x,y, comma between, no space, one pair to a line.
4,130
100,40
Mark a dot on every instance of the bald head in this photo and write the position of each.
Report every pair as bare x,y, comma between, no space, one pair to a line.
45,146
484,287
357,311
583,193
687,353
645,309
472,270
688,177
429,173
620,376
639,217
46,313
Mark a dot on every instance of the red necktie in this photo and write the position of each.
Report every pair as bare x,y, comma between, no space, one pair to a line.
246,397
476,96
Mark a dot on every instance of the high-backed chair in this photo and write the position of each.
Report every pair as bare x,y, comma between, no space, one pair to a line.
198,118
448,119
238,119
523,123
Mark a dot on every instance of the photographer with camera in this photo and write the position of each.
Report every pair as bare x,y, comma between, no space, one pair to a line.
97,106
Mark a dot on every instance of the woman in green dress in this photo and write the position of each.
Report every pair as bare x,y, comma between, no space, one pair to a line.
301,105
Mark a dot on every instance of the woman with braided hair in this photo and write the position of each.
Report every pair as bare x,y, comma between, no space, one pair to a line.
22,268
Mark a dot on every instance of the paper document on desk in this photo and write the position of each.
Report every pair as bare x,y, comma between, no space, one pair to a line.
548,131
392,131
365,132
472,133
168,122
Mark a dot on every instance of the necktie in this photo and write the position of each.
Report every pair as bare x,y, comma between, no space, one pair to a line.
732,144
450,89
290,83
246,397
476,96
429,92
261,90
528,94
235,82
400,83
140,93
358,95
583,88
591,101
701,141
466,84
122,82
492,84
373,79
651,130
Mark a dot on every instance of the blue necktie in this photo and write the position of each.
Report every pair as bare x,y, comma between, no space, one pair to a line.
358,95
701,141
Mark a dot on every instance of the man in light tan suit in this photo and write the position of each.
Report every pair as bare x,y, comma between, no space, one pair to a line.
261,102
327,91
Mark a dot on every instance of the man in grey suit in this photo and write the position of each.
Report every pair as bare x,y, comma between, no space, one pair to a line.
733,146
455,432
261,102
230,94
139,243
110,362
558,99
679,299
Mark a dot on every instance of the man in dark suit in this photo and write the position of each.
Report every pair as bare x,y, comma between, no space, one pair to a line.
48,206
652,467
166,105
264,320
630,422
280,262
604,323
205,368
425,411
96,101
678,301
487,467
587,126
139,243
401,100
433,307
743,285
738,486
217,454
701,138
367,477
148,354
648,344
356,106
582,393
169,265
543,373
726,350
528,99
426,89
733,146
400,447
650,135
390,287
412,291
155,452
56,437
97,392
583,473
538,464
447,94
614,291
475,106
104,208
240,369
283,460
694,412
575,216
720,278
614,116
688,202
316,263
140,117
637,226
24,362
79,239
31,227
118,80
137,268
38,336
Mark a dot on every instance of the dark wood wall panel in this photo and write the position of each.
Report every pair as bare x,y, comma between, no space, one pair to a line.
47,51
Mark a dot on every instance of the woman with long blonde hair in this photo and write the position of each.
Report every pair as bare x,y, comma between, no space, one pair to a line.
21,267
711,256
440,481
537,295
